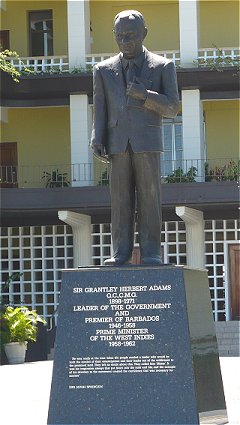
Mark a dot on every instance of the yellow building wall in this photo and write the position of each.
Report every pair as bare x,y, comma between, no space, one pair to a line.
222,129
161,19
15,19
219,23
43,141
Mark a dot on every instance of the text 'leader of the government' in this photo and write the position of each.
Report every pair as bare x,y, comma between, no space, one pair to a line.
132,92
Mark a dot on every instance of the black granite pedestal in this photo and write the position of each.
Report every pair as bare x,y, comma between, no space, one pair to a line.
135,345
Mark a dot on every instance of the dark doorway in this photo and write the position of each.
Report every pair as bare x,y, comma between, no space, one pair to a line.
8,164
234,277
4,40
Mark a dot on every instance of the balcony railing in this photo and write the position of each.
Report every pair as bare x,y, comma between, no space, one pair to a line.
62,175
60,64
41,64
174,55
224,56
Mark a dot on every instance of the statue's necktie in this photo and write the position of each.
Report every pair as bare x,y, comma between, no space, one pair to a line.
130,72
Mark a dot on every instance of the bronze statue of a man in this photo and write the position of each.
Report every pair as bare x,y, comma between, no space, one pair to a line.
132,92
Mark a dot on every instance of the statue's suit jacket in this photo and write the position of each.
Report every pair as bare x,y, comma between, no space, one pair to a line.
119,119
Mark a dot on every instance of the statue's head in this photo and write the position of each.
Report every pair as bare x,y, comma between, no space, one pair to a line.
130,31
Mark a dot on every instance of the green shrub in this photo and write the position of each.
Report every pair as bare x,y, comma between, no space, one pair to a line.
19,324
178,176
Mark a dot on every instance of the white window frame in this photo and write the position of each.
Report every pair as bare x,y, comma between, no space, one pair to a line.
174,161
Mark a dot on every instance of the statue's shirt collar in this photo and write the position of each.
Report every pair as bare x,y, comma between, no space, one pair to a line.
138,61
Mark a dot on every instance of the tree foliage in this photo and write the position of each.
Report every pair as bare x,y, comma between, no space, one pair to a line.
8,67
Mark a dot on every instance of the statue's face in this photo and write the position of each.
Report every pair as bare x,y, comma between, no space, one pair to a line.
129,34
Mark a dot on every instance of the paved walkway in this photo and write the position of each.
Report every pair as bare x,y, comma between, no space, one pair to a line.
25,390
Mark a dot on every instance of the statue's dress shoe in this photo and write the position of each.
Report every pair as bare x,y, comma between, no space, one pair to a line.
116,261
151,261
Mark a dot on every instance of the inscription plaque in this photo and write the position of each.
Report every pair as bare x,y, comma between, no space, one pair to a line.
123,352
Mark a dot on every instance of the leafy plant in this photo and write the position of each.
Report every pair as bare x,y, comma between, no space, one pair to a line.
49,71
19,324
227,172
178,176
104,179
219,62
208,176
82,70
56,179
6,66
5,287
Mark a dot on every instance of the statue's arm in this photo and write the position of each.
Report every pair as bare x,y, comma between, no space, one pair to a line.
99,131
166,103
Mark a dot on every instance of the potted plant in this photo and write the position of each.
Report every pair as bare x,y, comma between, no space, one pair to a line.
55,179
178,176
18,326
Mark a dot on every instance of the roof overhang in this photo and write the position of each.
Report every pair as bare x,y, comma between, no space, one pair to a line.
54,90
40,206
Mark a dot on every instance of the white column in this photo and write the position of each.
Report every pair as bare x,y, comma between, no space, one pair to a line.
193,136
81,226
194,234
80,129
188,27
78,32
3,114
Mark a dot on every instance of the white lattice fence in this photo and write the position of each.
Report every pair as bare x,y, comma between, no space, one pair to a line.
39,253
173,242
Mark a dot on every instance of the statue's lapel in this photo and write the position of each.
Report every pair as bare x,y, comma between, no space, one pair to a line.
117,72
148,66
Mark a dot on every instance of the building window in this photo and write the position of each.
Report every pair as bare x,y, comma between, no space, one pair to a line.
172,156
41,33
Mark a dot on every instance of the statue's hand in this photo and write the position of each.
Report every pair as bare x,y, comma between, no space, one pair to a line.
137,90
99,150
